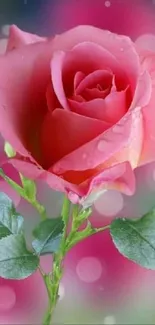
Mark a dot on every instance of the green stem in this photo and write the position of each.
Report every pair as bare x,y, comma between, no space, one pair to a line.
77,221
39,207
101,229
52,286
52,280
22,192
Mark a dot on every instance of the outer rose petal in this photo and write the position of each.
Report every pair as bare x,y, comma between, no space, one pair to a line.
143,91
148,151
121,47
145,42
132,150
22,107
67,131
118,177
18,38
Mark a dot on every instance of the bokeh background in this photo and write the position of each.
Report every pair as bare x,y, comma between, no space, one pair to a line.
99,285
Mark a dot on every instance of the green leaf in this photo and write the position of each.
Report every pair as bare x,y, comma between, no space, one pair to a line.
10,152
48,235
29,187
10,221
135,239
16,262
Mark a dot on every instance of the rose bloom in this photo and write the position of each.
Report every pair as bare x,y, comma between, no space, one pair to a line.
78,109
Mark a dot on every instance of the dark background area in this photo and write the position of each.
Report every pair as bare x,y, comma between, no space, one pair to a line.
46,17
27,14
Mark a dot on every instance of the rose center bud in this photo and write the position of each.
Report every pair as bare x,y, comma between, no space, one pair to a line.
95,85
101,95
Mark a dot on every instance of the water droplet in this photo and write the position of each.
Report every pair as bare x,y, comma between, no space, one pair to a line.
117,129
107,4
101,145
121,49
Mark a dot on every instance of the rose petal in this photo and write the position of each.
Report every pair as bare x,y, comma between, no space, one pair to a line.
65,65
63,132
145,42
100,149
115,106
93,108
119,177
90,94
51,99
56,73
27,167
88,57
148,152
79,76
25,69
132,150
143,91
96,77
111,109
121,46
32,171
18,38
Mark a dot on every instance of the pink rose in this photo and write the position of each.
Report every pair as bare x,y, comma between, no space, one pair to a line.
78,109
